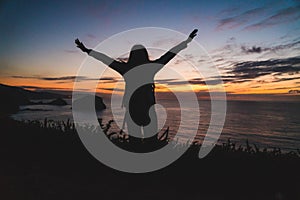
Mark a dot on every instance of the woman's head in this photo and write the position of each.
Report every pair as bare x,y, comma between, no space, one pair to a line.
138,55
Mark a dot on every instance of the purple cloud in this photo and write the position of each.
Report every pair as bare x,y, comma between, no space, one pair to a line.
285,15
239,20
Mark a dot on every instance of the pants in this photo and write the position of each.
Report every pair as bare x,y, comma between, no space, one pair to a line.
141,130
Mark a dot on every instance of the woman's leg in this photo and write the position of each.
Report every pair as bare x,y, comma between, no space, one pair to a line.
151,129
133,129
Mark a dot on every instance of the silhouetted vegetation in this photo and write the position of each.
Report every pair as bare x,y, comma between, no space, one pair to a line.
46,160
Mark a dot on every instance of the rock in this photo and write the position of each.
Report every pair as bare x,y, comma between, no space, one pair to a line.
83,103
11,98
58,102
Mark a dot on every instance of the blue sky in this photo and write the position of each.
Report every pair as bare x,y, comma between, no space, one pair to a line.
37,37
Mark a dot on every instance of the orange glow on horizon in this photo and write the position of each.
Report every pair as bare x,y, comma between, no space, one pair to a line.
108,87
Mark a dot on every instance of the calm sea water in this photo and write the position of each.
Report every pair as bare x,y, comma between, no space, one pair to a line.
267,124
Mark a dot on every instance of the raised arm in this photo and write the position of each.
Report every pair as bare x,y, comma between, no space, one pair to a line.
115,65
164,59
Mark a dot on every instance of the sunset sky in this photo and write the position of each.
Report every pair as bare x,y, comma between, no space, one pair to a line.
254,44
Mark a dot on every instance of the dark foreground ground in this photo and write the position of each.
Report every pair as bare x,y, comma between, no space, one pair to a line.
41,161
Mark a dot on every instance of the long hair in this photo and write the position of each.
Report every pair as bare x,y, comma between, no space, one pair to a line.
138,55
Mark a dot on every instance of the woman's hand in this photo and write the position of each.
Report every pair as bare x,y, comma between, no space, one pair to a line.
81,46
192,35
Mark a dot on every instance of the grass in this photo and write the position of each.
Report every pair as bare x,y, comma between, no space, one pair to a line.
46,160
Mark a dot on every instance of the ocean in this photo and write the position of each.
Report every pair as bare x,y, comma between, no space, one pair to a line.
263,123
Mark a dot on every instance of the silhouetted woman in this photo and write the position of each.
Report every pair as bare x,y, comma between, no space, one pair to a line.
139,103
